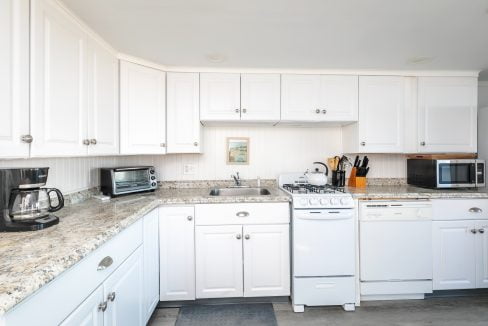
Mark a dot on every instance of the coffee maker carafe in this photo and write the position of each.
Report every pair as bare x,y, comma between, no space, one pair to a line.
24,205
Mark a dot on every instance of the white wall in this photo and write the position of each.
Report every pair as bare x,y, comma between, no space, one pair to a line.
273,150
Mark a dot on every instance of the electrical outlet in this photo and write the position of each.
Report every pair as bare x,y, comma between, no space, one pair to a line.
189,169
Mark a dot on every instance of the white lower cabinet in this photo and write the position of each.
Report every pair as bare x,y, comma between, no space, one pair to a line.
219,261
151,263
89,312
177,253
481,254
266,260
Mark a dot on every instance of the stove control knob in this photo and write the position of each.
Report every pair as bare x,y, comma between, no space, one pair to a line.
324,201
345,201
313,201
334,201
303,202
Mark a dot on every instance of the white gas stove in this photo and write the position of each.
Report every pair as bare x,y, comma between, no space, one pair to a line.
323,245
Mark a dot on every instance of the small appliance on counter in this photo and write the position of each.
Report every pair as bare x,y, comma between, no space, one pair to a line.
127,180
431,172
359,172
24,205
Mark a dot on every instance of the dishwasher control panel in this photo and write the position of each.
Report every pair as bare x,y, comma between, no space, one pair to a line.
395,210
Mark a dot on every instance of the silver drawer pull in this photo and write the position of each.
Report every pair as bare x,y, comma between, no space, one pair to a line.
111,296
105,263
242,214
481,231
475,210
102,306
474,231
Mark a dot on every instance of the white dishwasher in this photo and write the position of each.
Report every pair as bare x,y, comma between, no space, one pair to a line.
395,244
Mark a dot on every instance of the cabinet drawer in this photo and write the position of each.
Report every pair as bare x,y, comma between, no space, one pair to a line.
71,288
459,209
324,291
245,213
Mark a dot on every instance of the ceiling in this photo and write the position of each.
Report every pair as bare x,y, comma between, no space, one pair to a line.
296,34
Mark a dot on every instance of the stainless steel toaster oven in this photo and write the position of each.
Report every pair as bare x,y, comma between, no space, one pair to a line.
127,180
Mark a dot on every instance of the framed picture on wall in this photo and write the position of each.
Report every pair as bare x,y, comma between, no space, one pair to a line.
237,150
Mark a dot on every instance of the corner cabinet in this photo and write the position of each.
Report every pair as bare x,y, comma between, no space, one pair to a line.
183,105
380,128
447,114
14,79
319,98
142,109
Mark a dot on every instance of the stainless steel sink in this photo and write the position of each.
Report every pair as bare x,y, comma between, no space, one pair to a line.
240,192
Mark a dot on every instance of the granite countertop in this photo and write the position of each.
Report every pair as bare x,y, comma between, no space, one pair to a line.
411,192
30,260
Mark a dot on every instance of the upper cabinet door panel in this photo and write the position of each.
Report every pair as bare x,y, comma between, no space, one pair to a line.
103,100
14,78
184,128
260,97
339,97
381,114
220,97
447,119
58,82
300,98
142,110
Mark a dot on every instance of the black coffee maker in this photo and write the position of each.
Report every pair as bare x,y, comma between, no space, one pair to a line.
24,205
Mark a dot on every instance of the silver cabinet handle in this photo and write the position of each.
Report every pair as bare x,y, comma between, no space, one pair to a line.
111,296
27,139
475,210
473,231
195,144
481,231
422,143
363,143
162,145
242,214
189,218
238,236
102,306
86,142
317,111
105,263
237,110
244,110
247,237
93,141
324,111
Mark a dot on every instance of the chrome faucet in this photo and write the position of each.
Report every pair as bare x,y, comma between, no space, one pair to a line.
237,179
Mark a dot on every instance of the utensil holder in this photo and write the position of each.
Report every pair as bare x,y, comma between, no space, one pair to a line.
338,178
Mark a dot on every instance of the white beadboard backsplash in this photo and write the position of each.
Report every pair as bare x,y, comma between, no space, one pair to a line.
273,150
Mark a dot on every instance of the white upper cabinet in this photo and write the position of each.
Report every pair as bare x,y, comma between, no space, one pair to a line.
380,128
58,117
14,78
103,100
220,97
142,109
260,97
319,98
183,104
447,114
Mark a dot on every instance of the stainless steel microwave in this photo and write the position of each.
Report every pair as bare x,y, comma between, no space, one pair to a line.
463,173
127,180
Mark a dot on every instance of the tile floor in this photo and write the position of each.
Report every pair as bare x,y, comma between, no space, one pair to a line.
457,311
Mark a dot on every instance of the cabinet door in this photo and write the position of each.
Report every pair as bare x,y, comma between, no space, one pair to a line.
447,114
220,97
218,261
338,98
482,254
103,100
151,263
123,291
14,78
260,97
58,82
454,255
381,114
184,128
142,110
88,313
300,98
266,260
177,253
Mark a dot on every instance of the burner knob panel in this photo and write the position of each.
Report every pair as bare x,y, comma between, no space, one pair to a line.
324,201
334,201
313,201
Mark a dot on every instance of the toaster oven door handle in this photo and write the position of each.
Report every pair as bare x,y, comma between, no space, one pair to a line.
130,169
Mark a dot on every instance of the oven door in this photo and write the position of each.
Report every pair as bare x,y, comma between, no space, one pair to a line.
456,173
323,242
